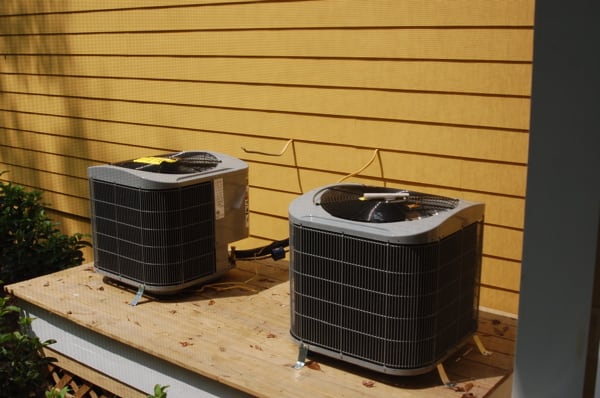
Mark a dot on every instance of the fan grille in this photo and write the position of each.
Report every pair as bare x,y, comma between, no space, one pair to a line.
350,202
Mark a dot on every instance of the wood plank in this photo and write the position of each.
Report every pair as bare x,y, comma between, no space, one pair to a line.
504,390
266,226
454,109
439,76
425,175
47,181
269,15
499,299
502,242
479,44
460,174
502,273
125,124
18,7
226,331
69,165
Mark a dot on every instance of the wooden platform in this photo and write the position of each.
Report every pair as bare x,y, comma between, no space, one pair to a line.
227,341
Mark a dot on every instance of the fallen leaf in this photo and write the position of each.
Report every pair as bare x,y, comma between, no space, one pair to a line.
185,343
469,395
314,365
468,387
221,348
211,302
271,336
368,383
46,284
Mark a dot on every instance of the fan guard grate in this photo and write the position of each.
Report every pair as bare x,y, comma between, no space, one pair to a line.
174,163
381,204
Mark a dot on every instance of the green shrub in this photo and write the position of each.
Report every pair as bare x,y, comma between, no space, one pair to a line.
54,393
22,365
159,391
30,242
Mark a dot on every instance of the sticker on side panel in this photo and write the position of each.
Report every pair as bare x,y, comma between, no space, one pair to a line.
219,199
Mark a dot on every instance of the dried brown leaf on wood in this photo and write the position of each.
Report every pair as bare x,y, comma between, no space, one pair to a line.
314,365
271,335
211,302
368,383
185,343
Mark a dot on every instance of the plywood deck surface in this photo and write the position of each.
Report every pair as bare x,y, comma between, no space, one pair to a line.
239,336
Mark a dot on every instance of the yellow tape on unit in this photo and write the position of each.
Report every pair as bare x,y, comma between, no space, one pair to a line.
154,160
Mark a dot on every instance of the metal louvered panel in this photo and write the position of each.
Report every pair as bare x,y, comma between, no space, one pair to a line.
394,308
154,237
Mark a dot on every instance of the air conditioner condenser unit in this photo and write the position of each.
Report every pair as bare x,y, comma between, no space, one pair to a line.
164,222
384,278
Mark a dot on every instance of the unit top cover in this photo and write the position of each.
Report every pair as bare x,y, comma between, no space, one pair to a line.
385,213
168,170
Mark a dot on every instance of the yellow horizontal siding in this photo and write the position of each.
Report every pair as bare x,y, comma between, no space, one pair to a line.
263,131
453,44
440,89
409,75
62,193
454,109
135,16
502,273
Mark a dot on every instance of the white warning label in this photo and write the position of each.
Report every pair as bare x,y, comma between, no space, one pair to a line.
219,199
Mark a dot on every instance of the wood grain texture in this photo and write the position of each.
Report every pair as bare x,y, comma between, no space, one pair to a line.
220,336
